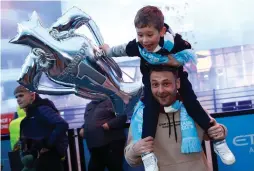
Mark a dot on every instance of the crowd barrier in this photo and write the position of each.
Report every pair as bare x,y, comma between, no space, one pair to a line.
240,140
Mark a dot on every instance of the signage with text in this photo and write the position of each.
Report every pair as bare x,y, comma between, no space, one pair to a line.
5,121
240,140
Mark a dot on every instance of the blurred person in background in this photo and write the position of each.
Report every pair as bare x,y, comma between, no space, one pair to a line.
14,127
105,137
43,138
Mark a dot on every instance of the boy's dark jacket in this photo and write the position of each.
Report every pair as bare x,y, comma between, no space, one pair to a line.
152,107
133,50
43,127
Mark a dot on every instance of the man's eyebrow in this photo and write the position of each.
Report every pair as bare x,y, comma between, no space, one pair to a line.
154,80
21,94
166,80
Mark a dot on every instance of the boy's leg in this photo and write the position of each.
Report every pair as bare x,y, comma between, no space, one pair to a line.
198,114
150,120
192,105
150,113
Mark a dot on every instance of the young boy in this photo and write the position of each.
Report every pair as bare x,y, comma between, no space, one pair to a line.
156,44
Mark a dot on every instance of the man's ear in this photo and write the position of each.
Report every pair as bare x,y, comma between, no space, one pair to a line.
177,83
163,31
32,97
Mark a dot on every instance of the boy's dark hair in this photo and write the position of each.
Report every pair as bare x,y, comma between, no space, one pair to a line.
149,16
159,68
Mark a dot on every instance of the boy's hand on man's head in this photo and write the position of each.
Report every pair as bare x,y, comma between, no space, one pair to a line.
172,62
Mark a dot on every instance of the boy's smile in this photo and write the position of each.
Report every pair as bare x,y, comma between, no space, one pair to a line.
149,37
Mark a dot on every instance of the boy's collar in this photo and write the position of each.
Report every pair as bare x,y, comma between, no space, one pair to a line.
157,48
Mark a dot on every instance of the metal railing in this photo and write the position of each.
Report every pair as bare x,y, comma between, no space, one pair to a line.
213,101
231,99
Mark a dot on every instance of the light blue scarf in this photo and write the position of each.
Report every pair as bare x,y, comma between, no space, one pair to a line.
154,58
190,139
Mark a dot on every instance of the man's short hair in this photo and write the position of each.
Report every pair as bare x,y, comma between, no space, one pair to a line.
20,89
159,68
149,16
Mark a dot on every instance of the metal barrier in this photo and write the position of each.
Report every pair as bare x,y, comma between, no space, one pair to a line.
77,153
240,140
231,99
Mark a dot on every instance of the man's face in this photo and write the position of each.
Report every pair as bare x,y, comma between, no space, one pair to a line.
24,99
149,37
164,87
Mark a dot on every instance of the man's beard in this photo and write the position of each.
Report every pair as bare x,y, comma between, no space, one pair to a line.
170,97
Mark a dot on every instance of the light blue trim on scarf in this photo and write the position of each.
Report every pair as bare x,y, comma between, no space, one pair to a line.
190,139
182,57
168,45
153,57
185,56
137,121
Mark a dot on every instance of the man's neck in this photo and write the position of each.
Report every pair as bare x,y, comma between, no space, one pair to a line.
168,108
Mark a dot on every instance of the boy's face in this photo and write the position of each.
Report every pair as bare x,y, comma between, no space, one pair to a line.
24,99
149,37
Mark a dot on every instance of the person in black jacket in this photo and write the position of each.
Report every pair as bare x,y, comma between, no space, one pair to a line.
105,137
43,137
